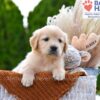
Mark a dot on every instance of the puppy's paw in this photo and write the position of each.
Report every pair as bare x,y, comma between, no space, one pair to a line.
27,80
59,75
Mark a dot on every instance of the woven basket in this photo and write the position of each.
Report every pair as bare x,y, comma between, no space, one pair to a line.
44,87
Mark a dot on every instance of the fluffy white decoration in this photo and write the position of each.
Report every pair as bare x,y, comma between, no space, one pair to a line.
71,21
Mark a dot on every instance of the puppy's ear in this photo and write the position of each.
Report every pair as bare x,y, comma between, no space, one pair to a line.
34,40
85,56
65,44
65,47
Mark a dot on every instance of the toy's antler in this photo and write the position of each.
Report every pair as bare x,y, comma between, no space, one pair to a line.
92,41
79,43
85,42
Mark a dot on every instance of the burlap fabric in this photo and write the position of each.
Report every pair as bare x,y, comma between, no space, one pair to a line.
44,87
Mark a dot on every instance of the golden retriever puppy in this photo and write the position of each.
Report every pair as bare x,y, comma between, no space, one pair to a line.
48,47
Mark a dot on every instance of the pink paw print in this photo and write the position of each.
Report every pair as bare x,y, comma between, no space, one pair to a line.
87,5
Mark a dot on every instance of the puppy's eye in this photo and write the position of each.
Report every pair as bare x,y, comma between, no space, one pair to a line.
46,39
60,40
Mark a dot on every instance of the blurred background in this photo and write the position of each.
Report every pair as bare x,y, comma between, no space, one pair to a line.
18,19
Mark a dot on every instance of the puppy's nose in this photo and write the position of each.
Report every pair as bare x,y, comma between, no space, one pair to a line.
53,48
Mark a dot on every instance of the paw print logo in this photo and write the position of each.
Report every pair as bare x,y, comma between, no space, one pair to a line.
87,5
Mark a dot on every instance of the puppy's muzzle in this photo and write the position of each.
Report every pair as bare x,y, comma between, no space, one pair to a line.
53,50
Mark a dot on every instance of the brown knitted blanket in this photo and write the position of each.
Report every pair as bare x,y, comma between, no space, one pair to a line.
44,87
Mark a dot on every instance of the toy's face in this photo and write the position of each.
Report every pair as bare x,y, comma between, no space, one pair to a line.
74,58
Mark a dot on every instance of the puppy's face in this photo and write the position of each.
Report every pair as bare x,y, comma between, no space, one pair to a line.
49,40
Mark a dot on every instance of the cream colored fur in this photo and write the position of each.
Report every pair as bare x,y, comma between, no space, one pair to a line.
40,59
